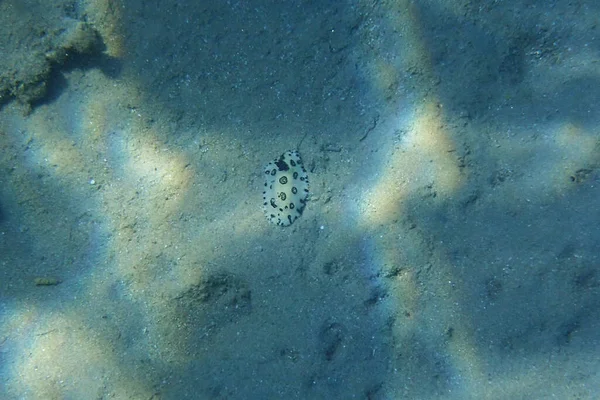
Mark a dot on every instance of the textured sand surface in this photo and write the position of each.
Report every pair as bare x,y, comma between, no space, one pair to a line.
448,250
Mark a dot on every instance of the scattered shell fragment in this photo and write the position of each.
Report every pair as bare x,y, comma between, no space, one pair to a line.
46,281
286,189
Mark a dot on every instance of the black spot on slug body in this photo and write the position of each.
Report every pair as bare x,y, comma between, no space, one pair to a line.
282,165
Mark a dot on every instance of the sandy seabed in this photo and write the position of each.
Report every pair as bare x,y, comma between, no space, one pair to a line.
449,248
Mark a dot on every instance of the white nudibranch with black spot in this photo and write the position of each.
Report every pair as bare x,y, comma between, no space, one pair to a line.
286,189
